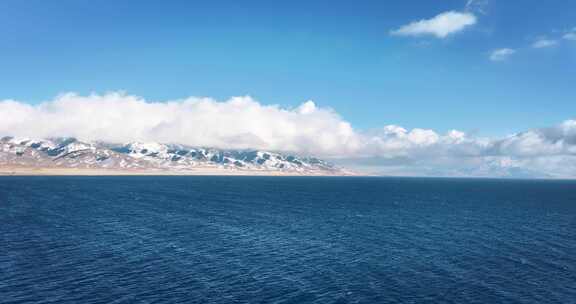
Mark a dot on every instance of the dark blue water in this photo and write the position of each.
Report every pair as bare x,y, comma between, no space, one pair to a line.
286,240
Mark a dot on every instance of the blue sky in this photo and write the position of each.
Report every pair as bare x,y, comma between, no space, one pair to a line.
341,54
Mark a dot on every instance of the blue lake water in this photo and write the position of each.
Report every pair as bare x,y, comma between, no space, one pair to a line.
286,240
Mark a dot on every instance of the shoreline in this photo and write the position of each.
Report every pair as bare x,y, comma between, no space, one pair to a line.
27,171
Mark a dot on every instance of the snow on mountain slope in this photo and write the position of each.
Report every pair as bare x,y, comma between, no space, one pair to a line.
71,153
63,152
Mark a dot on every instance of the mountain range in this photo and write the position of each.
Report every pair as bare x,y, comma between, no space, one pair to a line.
135,157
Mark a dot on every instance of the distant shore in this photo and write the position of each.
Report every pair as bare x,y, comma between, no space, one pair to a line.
30,171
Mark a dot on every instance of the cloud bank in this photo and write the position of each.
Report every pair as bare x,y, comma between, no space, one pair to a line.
244,123
239,122
440,26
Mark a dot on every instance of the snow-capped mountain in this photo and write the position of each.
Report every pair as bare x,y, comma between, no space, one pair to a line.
72,153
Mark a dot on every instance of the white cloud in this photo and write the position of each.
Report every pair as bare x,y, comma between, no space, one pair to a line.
242,122
570,35
440,26
239,122
557,140
501,54
544,43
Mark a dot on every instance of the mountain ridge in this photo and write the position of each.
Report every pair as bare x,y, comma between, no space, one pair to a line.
71,153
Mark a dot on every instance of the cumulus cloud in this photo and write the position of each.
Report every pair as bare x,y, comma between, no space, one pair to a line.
240,122
542,153
244,123
544,43
501,54
440,26
557,140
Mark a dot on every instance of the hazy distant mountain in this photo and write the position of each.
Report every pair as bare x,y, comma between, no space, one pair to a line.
72,153
487,167
502,167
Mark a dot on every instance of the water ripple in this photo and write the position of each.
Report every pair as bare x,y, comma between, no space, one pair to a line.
286,240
